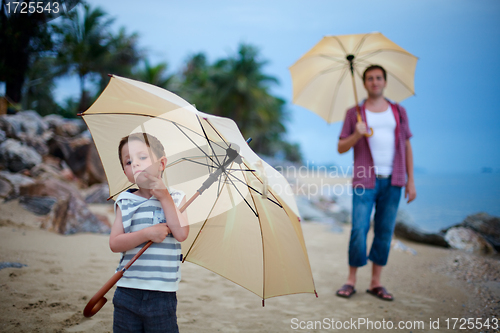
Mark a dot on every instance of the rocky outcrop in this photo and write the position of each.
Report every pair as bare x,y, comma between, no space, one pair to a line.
406,230
67,211
16,156
486,225
468,240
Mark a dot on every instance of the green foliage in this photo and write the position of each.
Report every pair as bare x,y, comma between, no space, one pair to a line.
82,44
236,88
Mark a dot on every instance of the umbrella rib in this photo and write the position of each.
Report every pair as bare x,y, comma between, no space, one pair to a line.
216,131
263,256
360,44
337,88
237,190
176,125
340,43
188,160
206,137
255,190
204,223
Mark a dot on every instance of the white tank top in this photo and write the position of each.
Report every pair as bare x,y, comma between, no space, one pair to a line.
382,142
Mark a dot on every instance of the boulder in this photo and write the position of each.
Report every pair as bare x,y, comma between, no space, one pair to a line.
70,214
15,181
408,231
24,123
16,156
65,127
37,204
468,240
81,156
98,193
5,188
486,225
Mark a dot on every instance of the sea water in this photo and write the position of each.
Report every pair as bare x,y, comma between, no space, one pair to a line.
445,200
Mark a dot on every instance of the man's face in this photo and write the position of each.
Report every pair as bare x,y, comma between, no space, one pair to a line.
375,83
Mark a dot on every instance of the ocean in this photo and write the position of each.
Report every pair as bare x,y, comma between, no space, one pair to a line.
445,200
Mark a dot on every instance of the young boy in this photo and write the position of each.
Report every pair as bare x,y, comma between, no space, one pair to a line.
145,299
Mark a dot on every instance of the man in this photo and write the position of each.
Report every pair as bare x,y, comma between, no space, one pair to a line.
383,164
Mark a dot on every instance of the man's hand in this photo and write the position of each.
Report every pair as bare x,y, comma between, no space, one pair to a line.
157,232
361,128
410,191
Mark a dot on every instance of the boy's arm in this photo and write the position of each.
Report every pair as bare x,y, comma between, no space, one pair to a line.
119,241
177,221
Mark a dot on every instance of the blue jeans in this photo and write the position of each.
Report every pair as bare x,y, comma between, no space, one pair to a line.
386,198
139,310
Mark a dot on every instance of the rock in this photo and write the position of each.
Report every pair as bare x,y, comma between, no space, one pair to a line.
3,136
405,229
16,156
308,211
22,124
65,127
81,156
98,193
70,214
468,240
37,204
5,188
94,171
486,225
16,181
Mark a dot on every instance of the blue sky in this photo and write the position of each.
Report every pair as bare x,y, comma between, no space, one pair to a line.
455,115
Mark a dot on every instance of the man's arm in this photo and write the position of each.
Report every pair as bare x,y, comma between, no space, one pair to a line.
347,143
410,191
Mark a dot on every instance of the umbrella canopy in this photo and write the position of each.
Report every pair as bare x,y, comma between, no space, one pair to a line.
246,226
322,79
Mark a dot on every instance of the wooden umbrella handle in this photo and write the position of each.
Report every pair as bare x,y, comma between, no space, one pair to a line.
360,121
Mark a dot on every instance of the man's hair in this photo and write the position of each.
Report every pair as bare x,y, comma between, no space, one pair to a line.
150,141
372,67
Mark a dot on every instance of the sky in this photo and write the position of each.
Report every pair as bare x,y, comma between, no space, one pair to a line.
454,116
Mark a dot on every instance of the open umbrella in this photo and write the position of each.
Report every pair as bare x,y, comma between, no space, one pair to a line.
244,223
329,77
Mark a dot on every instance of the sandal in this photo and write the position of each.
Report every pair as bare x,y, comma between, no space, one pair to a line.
380,292
347,289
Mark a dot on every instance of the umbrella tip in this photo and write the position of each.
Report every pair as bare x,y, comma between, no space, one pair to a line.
79,114
110,75
316,294
249,140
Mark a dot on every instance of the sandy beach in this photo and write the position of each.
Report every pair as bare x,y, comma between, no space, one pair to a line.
63,272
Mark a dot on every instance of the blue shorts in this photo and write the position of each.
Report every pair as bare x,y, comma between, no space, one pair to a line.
139,310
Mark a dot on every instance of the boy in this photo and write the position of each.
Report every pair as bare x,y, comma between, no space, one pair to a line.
145,299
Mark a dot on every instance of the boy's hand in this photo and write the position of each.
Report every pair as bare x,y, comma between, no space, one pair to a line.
157,232
156,186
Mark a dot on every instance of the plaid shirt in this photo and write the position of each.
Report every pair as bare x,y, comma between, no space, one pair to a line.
364,170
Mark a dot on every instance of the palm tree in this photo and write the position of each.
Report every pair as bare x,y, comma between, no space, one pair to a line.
84,40
122,55
156,75
236,87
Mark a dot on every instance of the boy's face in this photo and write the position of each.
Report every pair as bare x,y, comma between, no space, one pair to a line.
136,157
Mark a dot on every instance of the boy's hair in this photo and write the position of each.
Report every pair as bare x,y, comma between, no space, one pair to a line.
150,141
372,67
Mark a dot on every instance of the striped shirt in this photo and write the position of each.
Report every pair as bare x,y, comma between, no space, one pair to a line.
364,170
158,267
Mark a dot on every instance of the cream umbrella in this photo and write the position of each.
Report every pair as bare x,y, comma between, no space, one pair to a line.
328,79
244,222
